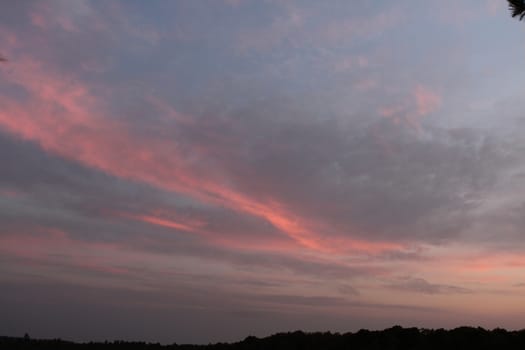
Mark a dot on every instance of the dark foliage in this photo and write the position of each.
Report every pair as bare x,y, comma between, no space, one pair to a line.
517,8
389,339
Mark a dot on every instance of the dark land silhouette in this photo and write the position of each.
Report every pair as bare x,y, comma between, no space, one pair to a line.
392,338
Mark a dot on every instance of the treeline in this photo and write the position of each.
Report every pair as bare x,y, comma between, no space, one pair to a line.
392,338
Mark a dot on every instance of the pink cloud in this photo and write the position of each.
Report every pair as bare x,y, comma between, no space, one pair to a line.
53,246
65,119
427,101
166,223
7,192
422,102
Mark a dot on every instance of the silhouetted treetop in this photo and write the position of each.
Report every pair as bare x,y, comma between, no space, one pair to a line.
394,338
517,8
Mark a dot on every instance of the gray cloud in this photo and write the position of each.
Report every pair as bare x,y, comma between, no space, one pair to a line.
56,193
376,179
419,285
347,290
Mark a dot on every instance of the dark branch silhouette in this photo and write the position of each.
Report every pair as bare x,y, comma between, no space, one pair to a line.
517,7
3,59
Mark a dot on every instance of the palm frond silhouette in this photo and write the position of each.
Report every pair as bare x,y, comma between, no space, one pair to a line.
517,7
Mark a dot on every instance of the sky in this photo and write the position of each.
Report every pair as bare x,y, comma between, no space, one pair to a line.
197,171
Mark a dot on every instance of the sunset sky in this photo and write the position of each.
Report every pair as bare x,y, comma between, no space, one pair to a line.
204,170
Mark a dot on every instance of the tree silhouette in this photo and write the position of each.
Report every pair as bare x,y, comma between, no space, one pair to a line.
394,338
517,7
